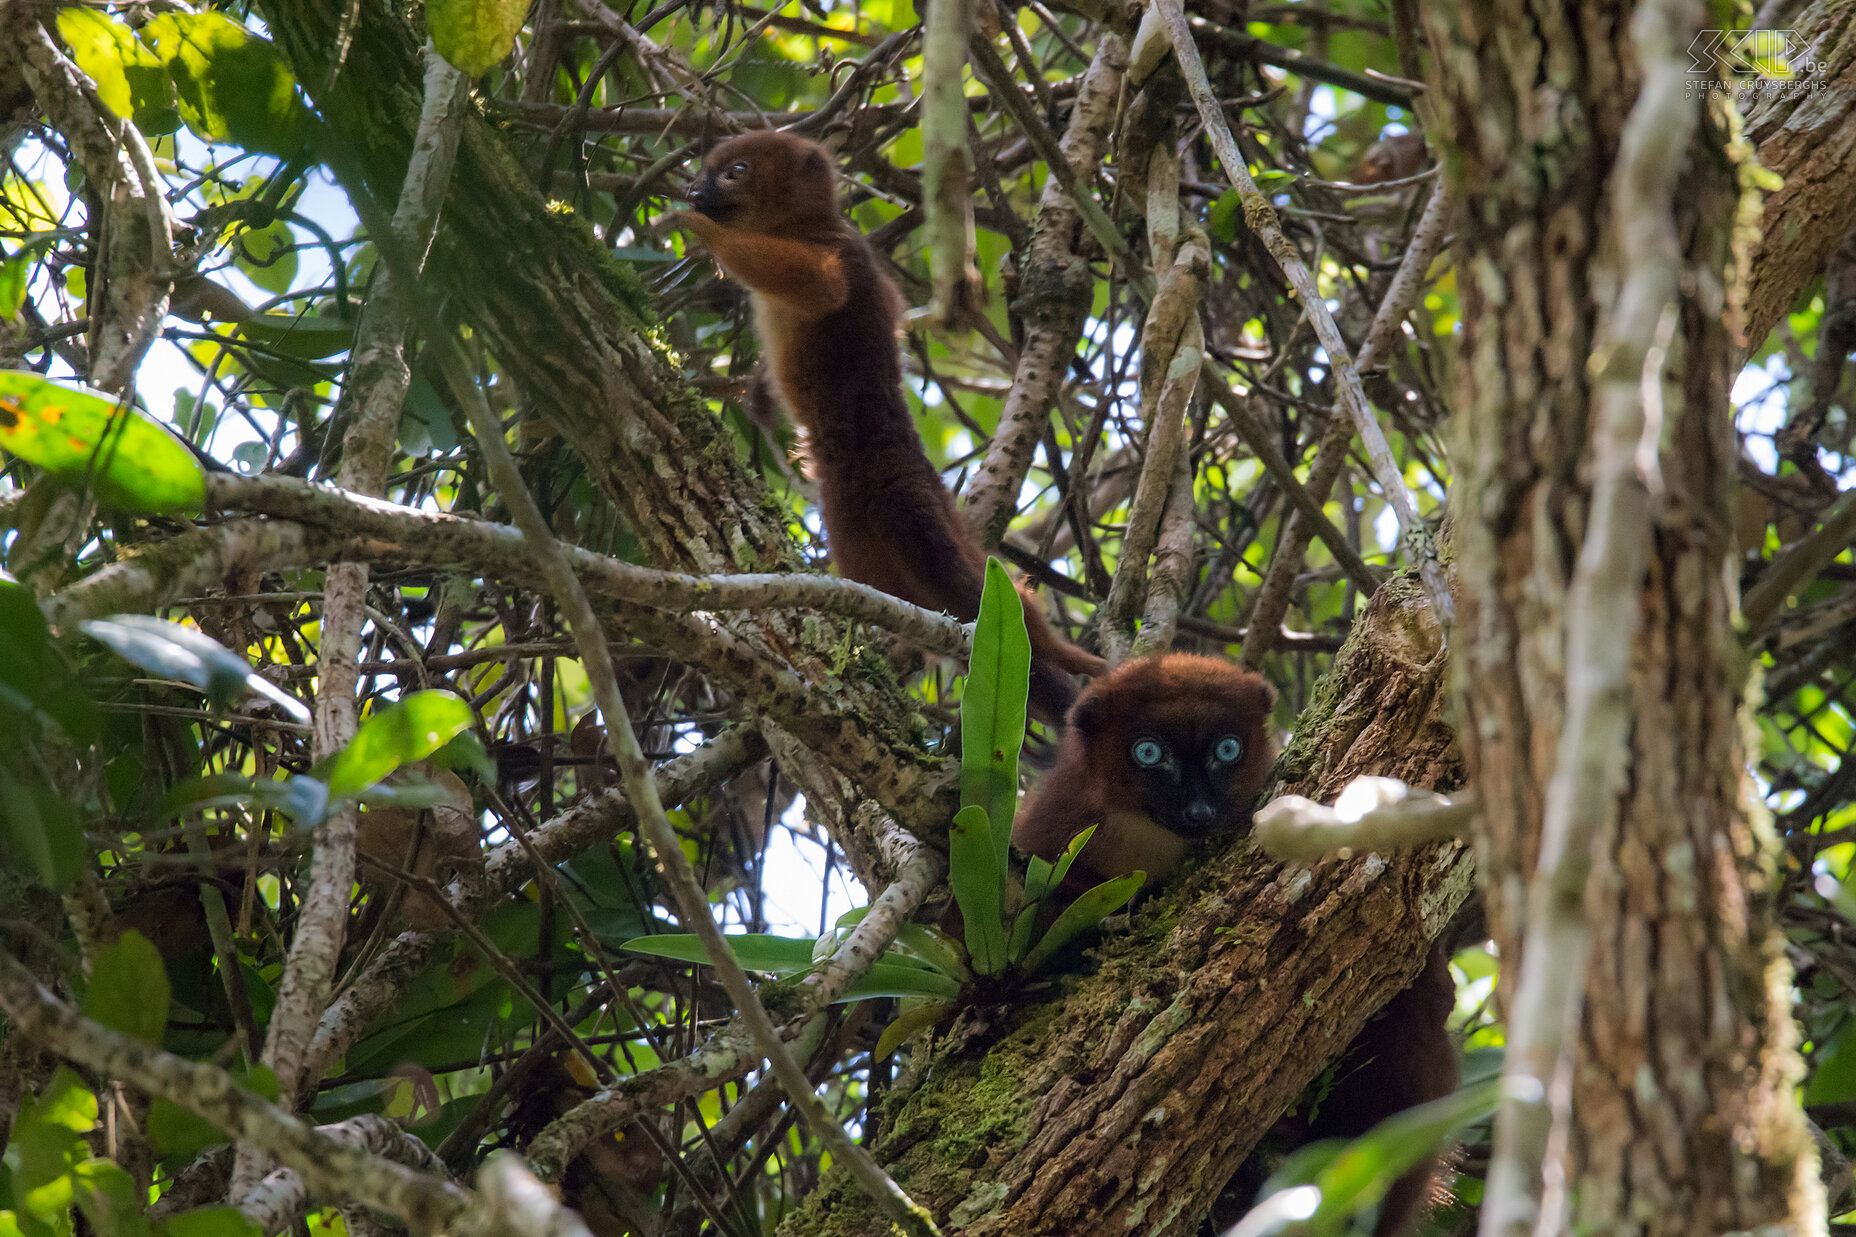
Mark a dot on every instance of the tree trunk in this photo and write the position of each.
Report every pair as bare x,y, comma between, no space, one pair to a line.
1122,1099
1683,1119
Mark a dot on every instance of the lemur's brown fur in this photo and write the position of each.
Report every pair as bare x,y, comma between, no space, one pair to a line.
1165,752
827,316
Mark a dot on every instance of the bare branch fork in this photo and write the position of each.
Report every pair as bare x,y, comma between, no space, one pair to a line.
381,377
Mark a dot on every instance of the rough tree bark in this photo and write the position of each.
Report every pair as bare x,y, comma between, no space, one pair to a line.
1683,1118
1123,1099
1805,135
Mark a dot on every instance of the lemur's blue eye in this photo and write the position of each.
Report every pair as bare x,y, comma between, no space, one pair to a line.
1147,753
1229,749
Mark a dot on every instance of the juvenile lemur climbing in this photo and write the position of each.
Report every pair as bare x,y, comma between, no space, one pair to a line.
1164,753
766,208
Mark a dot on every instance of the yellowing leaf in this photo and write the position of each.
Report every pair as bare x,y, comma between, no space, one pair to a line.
474,34
127,457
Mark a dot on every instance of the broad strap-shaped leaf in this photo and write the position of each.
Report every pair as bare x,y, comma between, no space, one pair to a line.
936,948
891,977
755,951
908,1023
992,711
1042,876
1084,913
974,873
126,457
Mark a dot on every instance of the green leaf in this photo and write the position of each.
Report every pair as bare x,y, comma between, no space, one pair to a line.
176,651
1833,1076
974,874
267,256
108,1199
210,1222
1221,220
128,458
131,79
899,979
474,34
398,735
936,948
48,1138
1042,876
308,338
34,680
304,798
1367,1167
755,951
1069,855
40,830
233,86
129,988
178,1134
1084,913
1018,944
909,1023
992,711
14,272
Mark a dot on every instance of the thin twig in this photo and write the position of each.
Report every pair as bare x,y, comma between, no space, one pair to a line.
1419,545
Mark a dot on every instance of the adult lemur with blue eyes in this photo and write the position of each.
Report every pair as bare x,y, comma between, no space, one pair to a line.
1163,753
1158,755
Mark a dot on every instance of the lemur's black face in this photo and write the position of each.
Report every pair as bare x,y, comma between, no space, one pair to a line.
1182,740
713,191
1190,775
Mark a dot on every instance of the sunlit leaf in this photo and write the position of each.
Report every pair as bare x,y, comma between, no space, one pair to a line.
209,1222
127,457
129,989
47,1135
233,86
397,735
14,273
474,34
176,651
267,256
131,79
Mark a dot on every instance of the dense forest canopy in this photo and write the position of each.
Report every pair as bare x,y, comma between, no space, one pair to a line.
417,634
